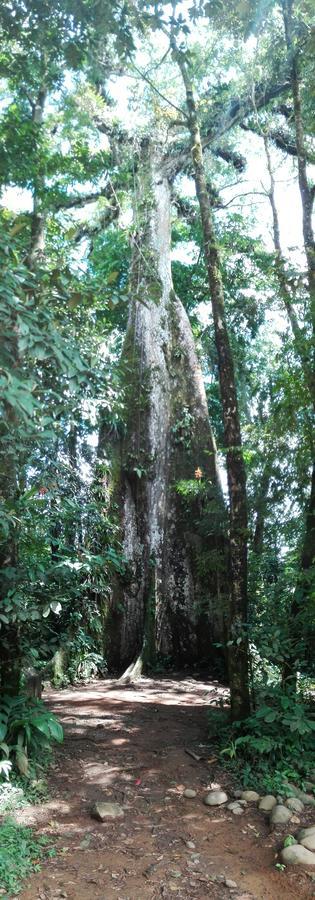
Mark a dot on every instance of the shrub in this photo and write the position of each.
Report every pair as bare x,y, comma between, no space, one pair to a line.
27,731
274,744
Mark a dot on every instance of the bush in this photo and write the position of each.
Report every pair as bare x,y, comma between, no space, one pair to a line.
274,744
27,731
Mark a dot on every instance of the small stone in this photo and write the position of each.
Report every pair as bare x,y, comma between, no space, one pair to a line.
296,855
190,845
280,815
215,798
267,803
305,832
102,811
230,884
251,796
309,842
237,794
295,804
238,811
189,793
308,799
309,785
233,805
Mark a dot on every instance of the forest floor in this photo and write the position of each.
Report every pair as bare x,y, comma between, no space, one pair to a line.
128,745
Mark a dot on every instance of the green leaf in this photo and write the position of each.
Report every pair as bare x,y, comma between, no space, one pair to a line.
22,761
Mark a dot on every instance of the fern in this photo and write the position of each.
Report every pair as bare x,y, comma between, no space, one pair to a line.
27,728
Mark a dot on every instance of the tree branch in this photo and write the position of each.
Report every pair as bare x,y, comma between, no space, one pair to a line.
153,87
282,140
234,114
236,159
80,200
90,230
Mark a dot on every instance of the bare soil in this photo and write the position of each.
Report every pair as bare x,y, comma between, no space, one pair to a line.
128,745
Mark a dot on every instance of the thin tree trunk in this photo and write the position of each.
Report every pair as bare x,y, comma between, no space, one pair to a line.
307,193
10,469
10,654
285,293
306,575
37,243
261,508
73,528
232,432
299,614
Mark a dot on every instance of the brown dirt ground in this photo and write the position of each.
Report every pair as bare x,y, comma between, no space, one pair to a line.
129,744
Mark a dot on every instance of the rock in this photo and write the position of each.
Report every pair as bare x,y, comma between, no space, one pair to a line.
102,811
308,842
237,794
308,799
305,832
280,815
267,803
296,855
230,884
238,811
309,785
251,796
216,798
234,805
295,804
190,845
189,793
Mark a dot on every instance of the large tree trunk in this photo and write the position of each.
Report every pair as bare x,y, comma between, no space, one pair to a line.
238,654
165,605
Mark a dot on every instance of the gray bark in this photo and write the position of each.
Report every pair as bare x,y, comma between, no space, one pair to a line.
163,606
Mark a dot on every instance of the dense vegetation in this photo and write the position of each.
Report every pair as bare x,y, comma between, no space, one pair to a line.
119,547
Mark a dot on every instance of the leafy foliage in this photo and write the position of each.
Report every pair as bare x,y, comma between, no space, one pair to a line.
21,853
27,730
275,744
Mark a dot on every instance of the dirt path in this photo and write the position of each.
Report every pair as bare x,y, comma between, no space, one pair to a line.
128,745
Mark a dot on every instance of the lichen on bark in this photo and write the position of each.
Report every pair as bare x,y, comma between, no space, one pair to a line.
167,605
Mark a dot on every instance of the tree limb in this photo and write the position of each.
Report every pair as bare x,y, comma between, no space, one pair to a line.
91,229
231,156
281,139
234,114
80,200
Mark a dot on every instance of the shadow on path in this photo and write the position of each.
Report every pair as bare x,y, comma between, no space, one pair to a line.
128,744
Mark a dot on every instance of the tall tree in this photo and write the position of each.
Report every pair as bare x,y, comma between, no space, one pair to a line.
164,604
238,651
